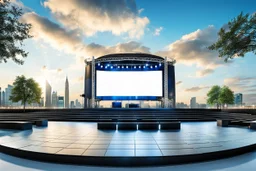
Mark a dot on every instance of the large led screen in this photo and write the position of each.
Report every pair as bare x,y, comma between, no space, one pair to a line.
129,83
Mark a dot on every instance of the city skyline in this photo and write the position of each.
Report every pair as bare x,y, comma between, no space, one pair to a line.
181,30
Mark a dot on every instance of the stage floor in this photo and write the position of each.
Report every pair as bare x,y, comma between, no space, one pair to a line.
83,139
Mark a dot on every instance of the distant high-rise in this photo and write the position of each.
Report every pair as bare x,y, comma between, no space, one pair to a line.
60,102
238,99
3,98
54,99
48,94
41,102
66,93
193,103
0,97
8,92
72,104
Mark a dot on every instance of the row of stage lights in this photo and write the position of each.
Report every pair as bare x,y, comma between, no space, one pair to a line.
127,67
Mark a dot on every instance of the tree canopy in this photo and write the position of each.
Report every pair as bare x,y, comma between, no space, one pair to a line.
25,90
226,95
220,96
12,33
213,95
238,38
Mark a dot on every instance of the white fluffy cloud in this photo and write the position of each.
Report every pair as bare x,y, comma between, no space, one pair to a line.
92,16
192,49
158,31
71,41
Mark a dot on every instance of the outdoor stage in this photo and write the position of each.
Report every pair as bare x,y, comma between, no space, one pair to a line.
82,143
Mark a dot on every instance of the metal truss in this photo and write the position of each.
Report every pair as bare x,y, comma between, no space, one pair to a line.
127,58
93,83
166,101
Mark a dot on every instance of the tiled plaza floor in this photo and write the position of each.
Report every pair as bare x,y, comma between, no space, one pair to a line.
77,138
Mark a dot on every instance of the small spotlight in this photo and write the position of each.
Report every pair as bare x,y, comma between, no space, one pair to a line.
118,67
108,65
144,67
122,66
98,64
146,64
101,66
126,66
111,67
135,67
156,66
160,64
139,66
151,67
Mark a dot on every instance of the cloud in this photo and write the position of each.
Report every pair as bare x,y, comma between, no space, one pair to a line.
195,89
249,99
71,42
204,72
179,82
59,70
192,49
157,31
241,84
90,17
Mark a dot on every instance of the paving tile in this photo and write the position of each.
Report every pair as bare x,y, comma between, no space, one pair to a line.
177,152
82,146
148,152
175,146
62,141
100,147
124,146
147,146
53,144
94,152
42,149
70,151
111,152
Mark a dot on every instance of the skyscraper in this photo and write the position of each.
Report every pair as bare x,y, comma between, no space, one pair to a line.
54,99
66,93
238,99
8,92
0,97
3,98
48,94
60,102
193,102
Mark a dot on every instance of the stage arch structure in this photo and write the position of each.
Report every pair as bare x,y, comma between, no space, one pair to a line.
129,77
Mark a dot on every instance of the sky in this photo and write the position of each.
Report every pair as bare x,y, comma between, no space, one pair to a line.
66,33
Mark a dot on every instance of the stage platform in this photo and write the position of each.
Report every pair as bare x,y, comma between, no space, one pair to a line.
83,143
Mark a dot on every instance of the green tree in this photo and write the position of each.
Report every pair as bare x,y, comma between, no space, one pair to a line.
12,33
238,39
226,96
25,90
213,96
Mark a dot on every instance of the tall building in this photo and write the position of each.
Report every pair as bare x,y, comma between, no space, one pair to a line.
41,102
72,104
193,102
48,94
78,104
60,102
66,93
54,99
3,98
8,92
238,99
0,97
